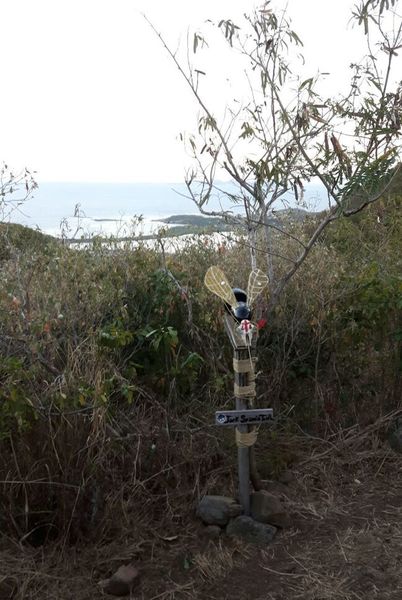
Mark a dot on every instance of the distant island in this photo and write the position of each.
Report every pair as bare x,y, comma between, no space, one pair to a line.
199,224
194,220
293,214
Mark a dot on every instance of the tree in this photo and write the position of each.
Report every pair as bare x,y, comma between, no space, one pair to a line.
286,133
15,189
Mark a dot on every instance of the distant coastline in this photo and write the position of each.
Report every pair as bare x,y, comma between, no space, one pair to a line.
179,225
64,209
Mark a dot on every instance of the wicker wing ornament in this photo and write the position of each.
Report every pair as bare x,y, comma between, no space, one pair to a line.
239,303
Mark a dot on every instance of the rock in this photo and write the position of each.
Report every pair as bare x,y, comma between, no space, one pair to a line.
266,508
212,531
217,510
8,587
122,582
251,531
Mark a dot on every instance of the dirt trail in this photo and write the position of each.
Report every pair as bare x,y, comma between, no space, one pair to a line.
345,543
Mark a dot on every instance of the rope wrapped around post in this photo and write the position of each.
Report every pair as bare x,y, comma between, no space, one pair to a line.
246,439
245,367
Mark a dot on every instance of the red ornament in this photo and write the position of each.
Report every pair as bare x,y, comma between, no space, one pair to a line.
261,323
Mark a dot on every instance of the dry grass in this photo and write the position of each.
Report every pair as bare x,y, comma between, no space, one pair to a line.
345,542
218,560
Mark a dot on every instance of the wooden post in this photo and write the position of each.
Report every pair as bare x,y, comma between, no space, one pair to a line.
241,352
243,454
245,415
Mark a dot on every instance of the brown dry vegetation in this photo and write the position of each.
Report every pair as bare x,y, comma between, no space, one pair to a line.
345,541
113,361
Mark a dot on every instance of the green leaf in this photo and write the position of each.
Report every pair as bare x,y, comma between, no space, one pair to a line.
306,83
296,38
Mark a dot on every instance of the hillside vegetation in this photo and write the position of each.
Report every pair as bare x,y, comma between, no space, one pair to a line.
113,360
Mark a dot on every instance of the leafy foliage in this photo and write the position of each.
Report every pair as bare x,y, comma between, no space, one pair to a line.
282,132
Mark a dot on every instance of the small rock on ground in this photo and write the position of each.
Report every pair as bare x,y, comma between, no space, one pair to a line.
251,531
122,582
217,510
267,508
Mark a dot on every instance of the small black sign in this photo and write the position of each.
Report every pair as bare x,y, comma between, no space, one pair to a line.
232,418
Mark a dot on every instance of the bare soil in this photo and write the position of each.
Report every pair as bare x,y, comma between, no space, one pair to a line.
345,543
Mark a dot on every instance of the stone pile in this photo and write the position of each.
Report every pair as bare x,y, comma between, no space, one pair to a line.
223,514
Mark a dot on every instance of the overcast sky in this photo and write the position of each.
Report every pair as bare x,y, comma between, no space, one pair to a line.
88,93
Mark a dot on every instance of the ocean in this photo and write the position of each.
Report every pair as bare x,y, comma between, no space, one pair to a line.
75,209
